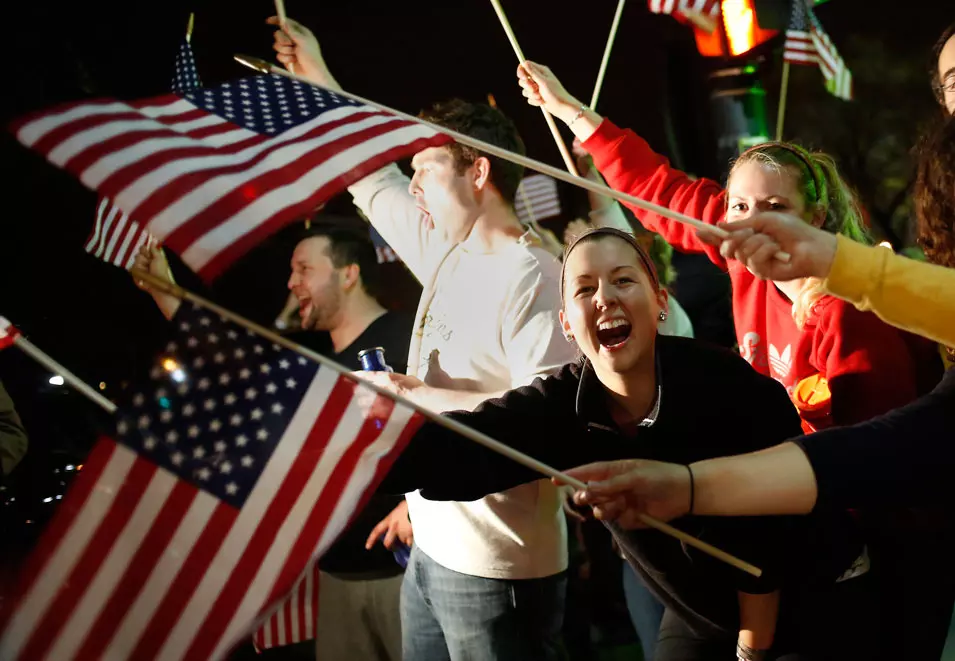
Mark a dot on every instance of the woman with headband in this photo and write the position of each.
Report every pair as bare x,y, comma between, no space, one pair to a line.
633,393
840,365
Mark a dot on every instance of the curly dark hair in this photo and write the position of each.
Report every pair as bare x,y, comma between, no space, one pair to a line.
484,123
936,52
935,194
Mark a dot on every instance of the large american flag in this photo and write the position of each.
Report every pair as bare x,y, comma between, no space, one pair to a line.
213,171
537,199
233,466
680,8
116,238
808,44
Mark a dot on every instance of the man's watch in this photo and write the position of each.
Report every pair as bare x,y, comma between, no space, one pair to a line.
746,653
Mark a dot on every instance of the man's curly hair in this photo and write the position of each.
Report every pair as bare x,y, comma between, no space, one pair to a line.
935,194
483,122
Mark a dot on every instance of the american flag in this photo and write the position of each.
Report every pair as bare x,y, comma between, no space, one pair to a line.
386,254
537,199
294,621
116,238
680,8
213,171
8,333
233,466
807,43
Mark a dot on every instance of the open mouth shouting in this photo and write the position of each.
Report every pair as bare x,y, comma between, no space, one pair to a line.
612,334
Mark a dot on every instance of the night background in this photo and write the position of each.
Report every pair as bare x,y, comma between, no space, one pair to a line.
90,316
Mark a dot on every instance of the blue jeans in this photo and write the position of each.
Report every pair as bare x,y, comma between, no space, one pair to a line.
645,611
448,616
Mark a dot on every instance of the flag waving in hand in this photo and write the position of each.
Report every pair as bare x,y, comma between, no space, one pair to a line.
211,172
116,238
808,44
233,465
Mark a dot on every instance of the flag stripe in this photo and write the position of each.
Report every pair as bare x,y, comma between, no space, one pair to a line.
166,578
261,217
141,171
91,558
207,545
141,564
302,156
61,527
306,590
101,583
286,467
312,462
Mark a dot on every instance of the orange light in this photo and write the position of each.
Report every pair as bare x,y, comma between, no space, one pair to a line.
740,21
80,467
170,365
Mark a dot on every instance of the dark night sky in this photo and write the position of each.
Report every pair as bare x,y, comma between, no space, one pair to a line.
405,54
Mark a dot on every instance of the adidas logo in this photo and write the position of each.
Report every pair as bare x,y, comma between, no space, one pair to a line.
780,363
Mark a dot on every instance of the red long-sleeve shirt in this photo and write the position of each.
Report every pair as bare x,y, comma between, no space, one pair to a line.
869,365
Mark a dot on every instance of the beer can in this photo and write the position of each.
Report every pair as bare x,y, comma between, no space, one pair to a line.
373,360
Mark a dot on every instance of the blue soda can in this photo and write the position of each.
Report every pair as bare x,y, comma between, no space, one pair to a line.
373,360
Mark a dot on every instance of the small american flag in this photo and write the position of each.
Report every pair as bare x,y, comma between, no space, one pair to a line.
537,199
808,44
294,621
386,254
116,238
233,466
680,8
211,172
8,333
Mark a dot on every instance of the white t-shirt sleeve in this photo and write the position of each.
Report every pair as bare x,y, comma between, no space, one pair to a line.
533,342
384,199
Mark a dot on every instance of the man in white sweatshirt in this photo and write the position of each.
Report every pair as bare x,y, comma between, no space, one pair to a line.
486,578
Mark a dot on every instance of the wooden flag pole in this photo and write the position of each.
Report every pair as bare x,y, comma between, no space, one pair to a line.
189,26
169,288
606,58
561,145
30,349
783,95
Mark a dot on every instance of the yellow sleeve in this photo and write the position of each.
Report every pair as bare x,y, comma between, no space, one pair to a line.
911,295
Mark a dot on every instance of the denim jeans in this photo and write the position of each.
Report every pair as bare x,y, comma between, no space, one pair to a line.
645,611
448,616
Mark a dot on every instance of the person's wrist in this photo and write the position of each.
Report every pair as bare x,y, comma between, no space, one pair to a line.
570,110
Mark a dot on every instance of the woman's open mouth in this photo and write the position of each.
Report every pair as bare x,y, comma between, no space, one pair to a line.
614,333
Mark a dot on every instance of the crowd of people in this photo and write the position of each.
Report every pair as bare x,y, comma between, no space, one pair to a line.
835,404
817,452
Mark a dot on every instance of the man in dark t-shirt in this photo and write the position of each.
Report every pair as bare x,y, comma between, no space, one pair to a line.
335,279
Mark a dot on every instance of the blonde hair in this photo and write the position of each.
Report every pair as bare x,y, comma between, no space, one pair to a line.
821,187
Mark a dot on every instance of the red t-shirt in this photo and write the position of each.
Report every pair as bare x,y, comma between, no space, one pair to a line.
867,364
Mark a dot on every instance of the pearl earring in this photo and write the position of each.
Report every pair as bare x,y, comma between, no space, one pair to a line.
663,315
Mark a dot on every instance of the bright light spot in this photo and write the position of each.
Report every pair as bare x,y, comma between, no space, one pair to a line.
739,19
886,244
170,365
102,385
48,499
80,467
59,496
178,376
56,380
70,467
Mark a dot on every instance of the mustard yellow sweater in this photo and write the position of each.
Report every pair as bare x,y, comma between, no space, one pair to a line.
912,295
